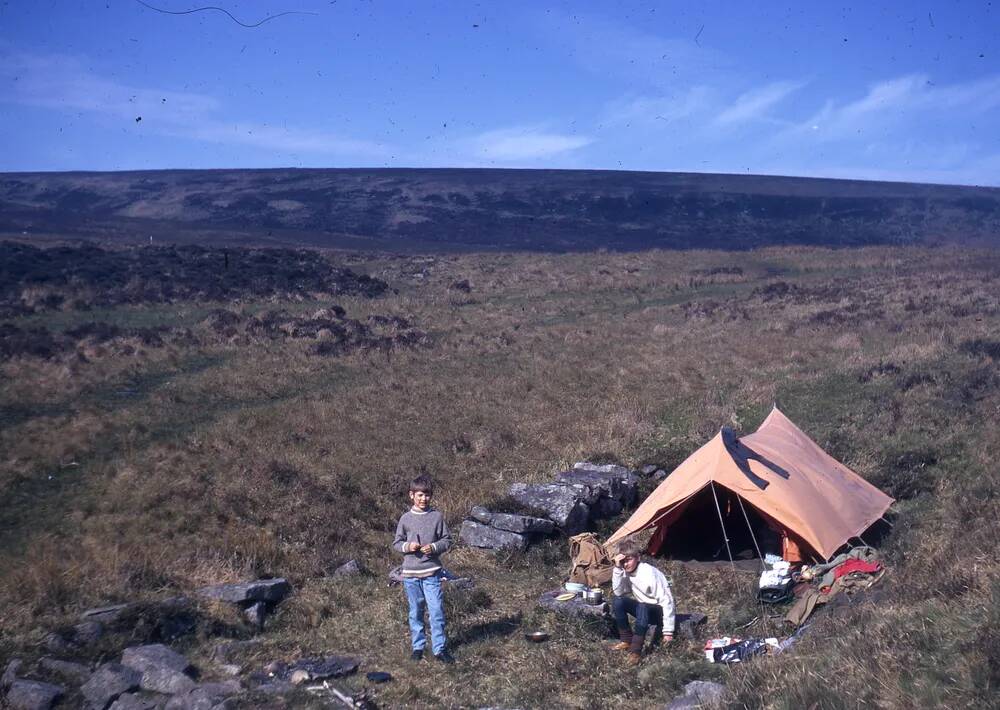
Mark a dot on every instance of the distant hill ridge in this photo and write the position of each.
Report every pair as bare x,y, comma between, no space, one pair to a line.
473,209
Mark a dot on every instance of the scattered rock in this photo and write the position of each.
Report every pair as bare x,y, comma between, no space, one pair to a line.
462,285
659,475
256,614
163,670
698,694
105,614
205,696
32,695
649,469
562,503
108,682
75,673
298,677
318,668
55,642
573,608
479,535
687,624
133,701
617,482
349,569
262,590
10,673
88,632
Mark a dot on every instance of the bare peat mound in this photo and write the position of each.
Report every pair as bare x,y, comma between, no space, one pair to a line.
85,276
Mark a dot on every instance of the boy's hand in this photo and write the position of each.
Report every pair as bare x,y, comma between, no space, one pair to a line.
427,549
412,546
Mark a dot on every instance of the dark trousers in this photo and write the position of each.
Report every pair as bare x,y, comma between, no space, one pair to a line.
645,615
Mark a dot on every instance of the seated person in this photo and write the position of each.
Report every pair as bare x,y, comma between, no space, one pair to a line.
651,603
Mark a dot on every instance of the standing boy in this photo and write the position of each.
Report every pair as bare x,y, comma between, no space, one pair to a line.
421,536
652,602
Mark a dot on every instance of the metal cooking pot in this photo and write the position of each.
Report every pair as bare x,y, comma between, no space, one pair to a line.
593,596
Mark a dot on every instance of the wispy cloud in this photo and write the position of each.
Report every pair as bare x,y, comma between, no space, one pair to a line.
754,104
64,83
525,143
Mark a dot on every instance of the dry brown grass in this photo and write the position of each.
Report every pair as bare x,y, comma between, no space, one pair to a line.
237,460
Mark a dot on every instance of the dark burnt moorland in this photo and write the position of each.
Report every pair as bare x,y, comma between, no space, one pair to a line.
235,447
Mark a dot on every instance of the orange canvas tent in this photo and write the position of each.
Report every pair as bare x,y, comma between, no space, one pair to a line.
812,500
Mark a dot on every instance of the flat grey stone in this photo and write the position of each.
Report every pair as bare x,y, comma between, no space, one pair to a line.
133,701
166,681
32,695
10,673
154,656
573,608
479,535
649,469
613,481
698,694
108,682
105,614
75,673
481,515
563,504
57,643
522,524
205,696
349,569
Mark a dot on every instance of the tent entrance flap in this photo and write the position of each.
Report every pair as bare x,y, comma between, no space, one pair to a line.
698,535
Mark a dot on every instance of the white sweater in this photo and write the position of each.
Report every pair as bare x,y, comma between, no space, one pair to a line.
649,586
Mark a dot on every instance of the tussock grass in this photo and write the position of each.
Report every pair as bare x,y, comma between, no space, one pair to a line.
230,460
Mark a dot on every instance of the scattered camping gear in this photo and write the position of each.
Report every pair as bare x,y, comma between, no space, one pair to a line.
737,650
791,487
378,676
566,597
575,587
537,636
775,583
591,565
855,570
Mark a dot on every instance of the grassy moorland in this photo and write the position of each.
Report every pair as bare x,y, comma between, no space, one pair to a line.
134,471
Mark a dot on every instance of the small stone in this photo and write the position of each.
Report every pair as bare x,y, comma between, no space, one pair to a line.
298,677
132,701
10,673
154,656
479,535
349,569
57,643
88,632
263,590
75,673
649,469
230,669
108,682
165,680
659,475
256,614
698,694
32,695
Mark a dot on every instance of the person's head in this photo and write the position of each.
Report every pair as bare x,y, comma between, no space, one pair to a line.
630,561
421,491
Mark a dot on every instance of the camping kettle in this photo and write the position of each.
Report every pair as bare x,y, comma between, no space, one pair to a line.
593,596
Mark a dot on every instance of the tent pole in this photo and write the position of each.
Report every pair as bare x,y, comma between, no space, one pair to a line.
725,536
753,537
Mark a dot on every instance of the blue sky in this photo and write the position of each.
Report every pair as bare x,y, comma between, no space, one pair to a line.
899,91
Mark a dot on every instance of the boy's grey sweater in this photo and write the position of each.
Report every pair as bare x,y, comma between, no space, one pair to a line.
426,529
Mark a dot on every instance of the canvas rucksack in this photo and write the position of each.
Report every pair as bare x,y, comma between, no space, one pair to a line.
590,562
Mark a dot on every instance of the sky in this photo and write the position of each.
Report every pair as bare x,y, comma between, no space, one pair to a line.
898,91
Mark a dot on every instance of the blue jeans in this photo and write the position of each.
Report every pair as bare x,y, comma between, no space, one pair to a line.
421,593
645,615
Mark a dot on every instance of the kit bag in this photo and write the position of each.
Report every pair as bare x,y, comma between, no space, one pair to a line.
590,562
